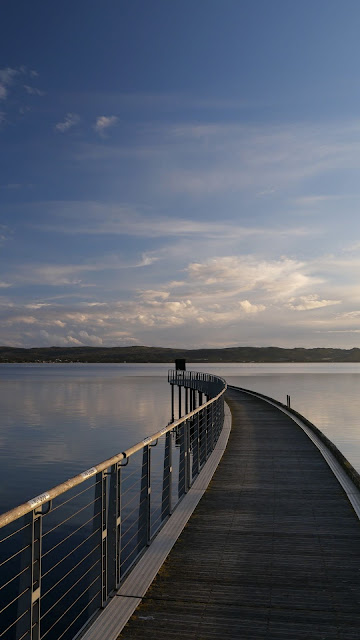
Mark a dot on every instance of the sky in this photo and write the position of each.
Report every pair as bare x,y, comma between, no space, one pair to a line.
180,173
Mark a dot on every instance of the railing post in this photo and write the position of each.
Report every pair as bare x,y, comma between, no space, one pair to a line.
211,427
167,478
24,605
114,529
221,414
196,447
217,418
187,456
182,462
207,428
144,506
102,476
200,436
179,388
203,438
35,584
214,423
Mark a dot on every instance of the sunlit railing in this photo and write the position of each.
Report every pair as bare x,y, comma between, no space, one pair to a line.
64,553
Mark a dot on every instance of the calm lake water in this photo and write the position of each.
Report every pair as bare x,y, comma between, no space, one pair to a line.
59,419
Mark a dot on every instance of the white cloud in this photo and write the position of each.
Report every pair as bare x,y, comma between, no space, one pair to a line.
349,315
152,294
21,320
11,185
92,340
105,218
10,76
312,301
7,76
146,260
33,91
94,304
311,201
104,122
341,331
247,307
71,119
72,274
280,278
55,275
56,340
216,158
352,247
11,79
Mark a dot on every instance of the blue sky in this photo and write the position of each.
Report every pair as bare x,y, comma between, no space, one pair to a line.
181,173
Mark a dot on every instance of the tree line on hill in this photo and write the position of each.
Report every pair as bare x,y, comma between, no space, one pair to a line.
142,354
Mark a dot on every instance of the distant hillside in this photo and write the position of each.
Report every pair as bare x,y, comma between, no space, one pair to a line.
158,354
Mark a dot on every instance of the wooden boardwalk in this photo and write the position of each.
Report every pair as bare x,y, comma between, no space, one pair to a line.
272,550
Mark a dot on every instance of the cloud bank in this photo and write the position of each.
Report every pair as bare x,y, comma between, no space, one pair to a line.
221,301
71,119
103,123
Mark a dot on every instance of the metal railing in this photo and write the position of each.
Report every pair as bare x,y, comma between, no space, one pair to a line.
64,553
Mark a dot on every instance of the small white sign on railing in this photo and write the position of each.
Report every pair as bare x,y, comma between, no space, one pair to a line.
43,497
89,472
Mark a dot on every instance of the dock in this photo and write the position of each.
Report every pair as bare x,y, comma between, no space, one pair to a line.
272,551
235,521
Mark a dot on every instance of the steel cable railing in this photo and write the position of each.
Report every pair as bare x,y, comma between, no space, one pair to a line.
65,552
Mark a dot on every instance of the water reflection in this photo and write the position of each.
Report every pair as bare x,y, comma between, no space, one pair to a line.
56,425
58,420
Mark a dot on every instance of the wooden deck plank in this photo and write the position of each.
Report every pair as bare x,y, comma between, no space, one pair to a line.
272,550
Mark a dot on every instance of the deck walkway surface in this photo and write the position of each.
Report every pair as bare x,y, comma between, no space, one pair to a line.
272,551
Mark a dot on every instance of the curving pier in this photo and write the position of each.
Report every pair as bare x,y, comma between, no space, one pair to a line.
272,550
142,546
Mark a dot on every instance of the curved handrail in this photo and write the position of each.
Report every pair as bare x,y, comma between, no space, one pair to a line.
105,527
54,492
